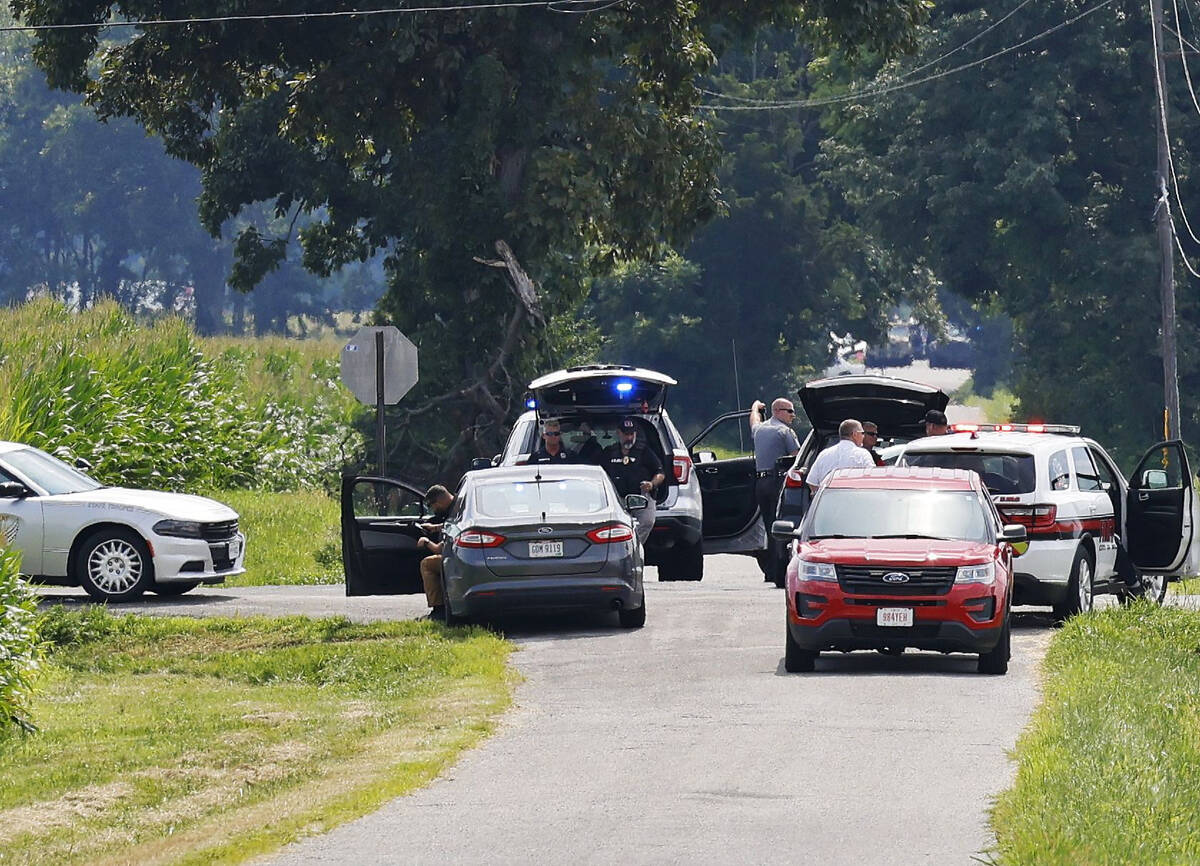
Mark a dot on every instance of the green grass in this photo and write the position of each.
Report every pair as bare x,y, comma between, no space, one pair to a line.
1109,770
212,741
996,408
291,538
1189,586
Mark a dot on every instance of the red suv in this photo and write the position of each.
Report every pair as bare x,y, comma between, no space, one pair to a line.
900,557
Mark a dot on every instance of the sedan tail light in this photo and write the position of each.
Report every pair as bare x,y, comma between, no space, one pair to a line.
1033,516
793,478
683,468
610,533
479,538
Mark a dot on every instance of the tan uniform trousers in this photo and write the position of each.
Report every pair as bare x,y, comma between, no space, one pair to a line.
431,577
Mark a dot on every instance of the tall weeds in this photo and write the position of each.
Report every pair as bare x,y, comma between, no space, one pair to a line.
147,406
19,647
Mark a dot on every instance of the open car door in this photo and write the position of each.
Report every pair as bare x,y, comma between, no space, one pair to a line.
723,457
379,535
1160,517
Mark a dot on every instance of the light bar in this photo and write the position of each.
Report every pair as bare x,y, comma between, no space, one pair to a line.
1064,429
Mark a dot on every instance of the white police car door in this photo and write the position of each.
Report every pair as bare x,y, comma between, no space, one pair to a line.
723,457
1160,520
1100,520
21,522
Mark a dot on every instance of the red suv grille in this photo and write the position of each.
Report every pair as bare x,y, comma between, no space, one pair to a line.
869,580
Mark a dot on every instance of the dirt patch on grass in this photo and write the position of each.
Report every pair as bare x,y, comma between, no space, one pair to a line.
78,805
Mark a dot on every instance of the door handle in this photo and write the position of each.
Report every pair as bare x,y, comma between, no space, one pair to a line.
711,471
1092,508
1143,496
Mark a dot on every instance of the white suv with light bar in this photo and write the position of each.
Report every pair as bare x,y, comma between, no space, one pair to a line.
1090,530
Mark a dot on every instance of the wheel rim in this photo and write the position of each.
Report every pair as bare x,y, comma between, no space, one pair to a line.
1154,586
1085,585
114,566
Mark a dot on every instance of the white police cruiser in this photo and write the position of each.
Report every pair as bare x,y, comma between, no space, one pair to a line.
1090,530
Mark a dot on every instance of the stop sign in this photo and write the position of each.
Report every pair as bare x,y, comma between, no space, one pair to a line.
360,364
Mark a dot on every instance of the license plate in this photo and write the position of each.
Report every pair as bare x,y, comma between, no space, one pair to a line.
894,616
545,548
235,548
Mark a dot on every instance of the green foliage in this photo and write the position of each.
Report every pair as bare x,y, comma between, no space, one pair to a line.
1109,770
146,407
20,649
1027,183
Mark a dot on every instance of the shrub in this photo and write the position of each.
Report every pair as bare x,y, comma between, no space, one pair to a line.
19,649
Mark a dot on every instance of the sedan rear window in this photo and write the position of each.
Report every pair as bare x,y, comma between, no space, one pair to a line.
1002,474
842,512
572,496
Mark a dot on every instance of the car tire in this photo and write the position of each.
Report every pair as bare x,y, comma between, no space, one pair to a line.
682,562
449,617
796,659
114,565
1152,587
995,660
779,567
170,590
1080,586
635,618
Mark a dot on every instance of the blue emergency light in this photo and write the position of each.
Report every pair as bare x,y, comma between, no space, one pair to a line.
624,386
531,403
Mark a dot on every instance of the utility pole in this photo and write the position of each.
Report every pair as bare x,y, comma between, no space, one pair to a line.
1166,239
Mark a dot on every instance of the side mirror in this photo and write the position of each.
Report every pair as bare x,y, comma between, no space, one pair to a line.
13,490
636,502
1106,486
496,460
481,463
1154,479
1016,535
706,457
80,463
783,530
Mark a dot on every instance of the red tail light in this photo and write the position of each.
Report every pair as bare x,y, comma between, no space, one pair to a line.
1033,516
479,538
683,468
793,478
610,534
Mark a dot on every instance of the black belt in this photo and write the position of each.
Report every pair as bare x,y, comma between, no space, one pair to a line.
769,473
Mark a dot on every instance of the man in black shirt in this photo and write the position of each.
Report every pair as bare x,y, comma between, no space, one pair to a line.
634,468
551,450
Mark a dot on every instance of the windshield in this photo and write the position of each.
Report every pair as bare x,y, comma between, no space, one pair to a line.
49,473
841,512
1002,474
514,499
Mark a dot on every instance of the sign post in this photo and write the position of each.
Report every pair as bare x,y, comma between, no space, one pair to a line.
379,366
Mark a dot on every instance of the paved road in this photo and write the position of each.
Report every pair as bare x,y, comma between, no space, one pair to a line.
686,742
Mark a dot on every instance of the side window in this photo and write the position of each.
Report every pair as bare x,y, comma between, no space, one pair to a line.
1104,471
729,439
518,441
1059,471
1160,474
381,499
1085,470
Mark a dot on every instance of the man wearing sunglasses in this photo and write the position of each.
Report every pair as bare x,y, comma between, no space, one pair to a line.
551,450
773,440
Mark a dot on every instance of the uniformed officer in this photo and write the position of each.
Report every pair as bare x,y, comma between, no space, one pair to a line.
634,468
773,439
551,450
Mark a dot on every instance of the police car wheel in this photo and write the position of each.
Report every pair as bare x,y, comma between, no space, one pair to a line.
690,562
1080,586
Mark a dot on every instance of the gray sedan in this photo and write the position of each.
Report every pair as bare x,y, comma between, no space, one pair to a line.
543,537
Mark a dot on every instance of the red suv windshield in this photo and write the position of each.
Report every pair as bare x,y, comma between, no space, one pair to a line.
846,512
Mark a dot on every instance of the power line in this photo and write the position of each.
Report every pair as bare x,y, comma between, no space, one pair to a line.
574,7
908,74
881,91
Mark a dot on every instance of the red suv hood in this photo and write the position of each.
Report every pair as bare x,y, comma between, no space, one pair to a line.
897,551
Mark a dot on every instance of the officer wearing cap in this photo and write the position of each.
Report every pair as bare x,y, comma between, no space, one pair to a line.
551,450
634,468
936,423
773,439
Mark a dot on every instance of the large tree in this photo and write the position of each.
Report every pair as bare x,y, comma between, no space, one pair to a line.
573,138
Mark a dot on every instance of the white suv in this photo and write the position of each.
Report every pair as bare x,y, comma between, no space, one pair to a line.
1090,530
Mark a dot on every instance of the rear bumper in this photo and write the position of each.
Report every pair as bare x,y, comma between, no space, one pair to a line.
671,530
595,592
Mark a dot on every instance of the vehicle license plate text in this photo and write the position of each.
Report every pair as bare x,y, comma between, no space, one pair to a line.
235,548
894,616
545,548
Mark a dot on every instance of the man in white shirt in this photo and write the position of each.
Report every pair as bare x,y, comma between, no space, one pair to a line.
846,453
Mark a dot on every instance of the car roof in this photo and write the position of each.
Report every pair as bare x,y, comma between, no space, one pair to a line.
591,371
6,447
546,471
1028,443
905,478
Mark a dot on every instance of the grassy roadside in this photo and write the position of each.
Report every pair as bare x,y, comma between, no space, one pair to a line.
211,741
291,538
1109,769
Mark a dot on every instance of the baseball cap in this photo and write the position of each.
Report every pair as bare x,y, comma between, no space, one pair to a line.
627,423
933,416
